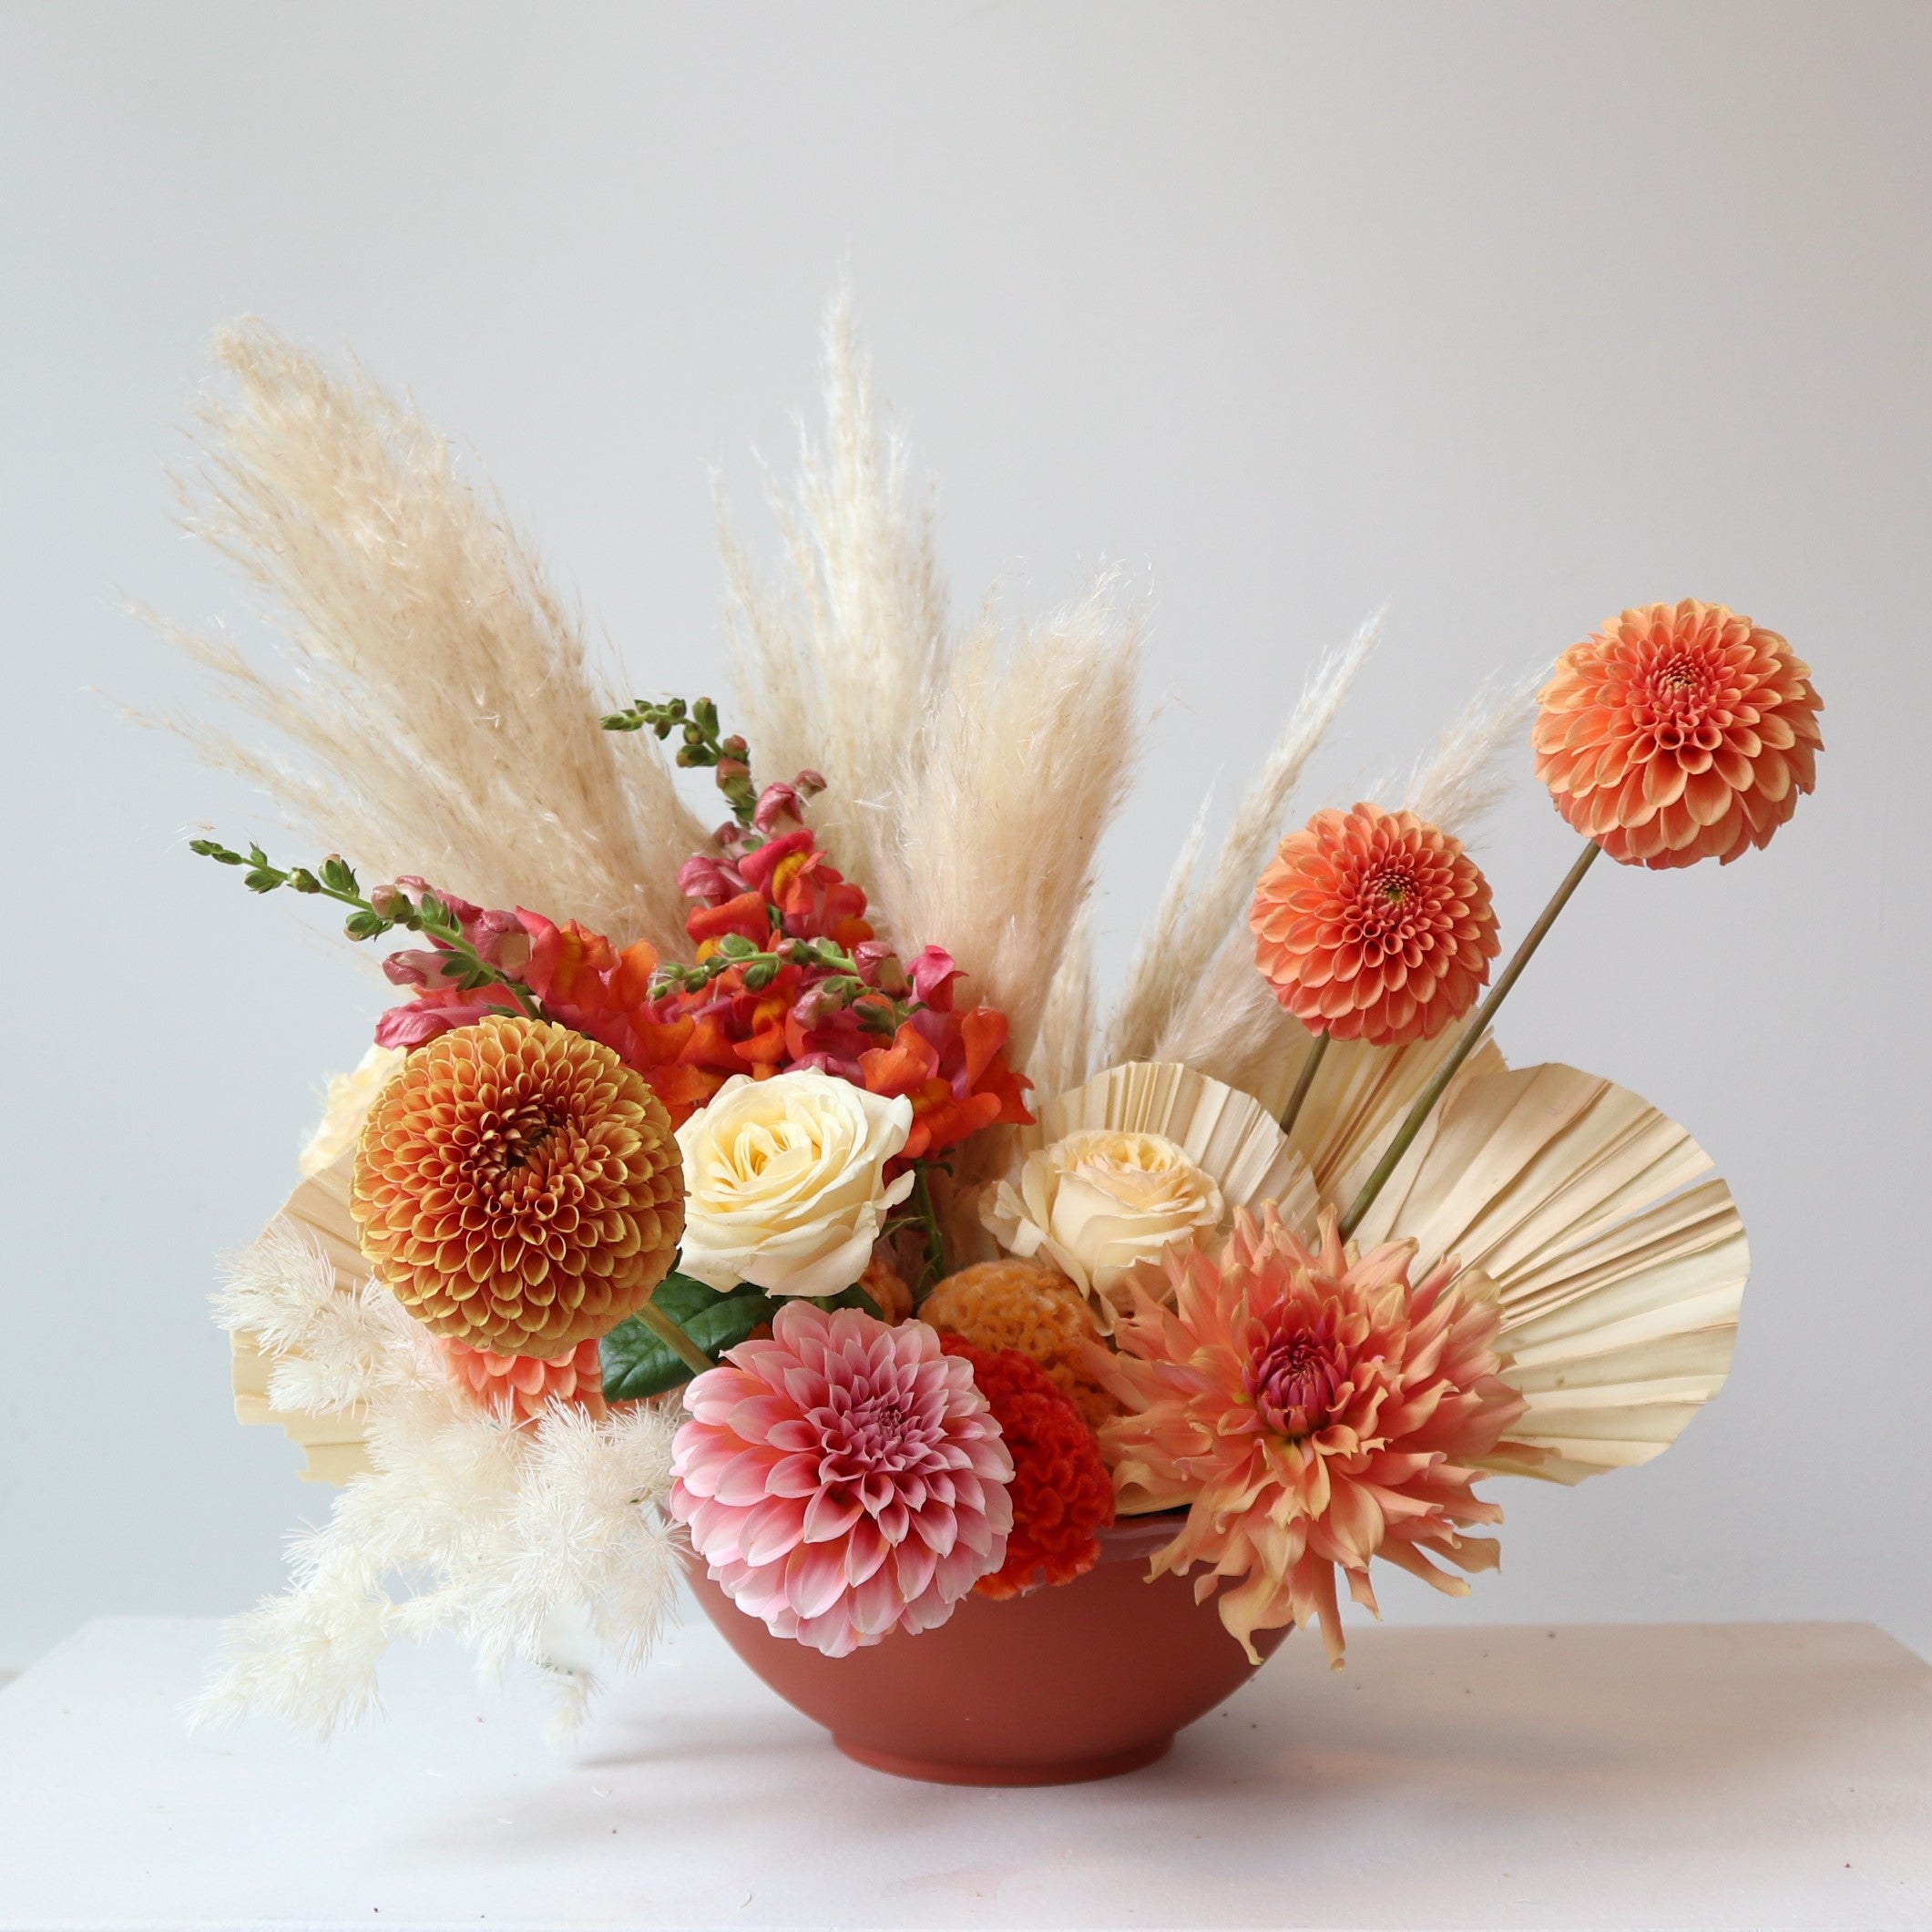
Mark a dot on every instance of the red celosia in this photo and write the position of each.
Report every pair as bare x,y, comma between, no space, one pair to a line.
1062,1494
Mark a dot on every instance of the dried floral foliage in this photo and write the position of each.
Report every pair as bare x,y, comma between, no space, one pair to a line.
537,1543
433,707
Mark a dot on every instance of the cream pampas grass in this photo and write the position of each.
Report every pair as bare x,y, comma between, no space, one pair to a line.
544,1545
1466,776
433,709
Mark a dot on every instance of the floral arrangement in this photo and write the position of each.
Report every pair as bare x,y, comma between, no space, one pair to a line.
773,1196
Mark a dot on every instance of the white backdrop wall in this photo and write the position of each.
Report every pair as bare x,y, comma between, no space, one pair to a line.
1509,314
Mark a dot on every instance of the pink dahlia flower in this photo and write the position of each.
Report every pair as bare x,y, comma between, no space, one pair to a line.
844,1479
1310,1410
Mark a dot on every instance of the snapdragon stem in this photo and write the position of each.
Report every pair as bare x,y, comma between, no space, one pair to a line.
1438,1084
674,1338
1305,1081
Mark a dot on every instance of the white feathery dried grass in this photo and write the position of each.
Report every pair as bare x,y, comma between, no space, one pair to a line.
835,667
437,696
546,1545
1173,988
1026,758
1463,779
1062,1054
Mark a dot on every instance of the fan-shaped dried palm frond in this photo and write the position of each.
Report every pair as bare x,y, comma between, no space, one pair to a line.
1619,1267
437,695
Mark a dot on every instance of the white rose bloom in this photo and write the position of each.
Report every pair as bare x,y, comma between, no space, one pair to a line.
784,1182
1104,1206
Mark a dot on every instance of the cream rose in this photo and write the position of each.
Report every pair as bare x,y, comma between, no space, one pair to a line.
1104,1205
784,1182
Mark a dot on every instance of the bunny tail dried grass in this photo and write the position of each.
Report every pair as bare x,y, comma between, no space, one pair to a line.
1169,979
1026,758
436,695
835,667
1466,776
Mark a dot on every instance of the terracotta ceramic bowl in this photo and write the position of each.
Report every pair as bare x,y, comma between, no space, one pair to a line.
1085,1680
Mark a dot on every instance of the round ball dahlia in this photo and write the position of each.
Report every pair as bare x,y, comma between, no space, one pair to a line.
518,1187
1027,1306
1374,926
1679,733
1062,1494
1309,1411
844,1479
520,1388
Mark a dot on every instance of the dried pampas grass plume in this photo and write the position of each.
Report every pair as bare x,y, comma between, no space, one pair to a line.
433,699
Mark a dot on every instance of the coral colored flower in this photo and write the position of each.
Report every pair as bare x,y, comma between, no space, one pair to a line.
844,1479
519,1188
1373,926
1678,733
1310,1413
1022,1305
1062,1494
522,1387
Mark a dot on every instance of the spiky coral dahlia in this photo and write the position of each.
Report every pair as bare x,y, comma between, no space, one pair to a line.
1374,926
844,1479
1678,733
1310,1413
519,1188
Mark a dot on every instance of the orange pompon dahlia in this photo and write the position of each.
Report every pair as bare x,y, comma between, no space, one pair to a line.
1310,1412
1062,1496
1374,926
1027,1306
519,1188
1679,733
520,1388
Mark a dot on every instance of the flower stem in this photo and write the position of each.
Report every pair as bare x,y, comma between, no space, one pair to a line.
1425,1101
1305,1081
674,1338
928,1218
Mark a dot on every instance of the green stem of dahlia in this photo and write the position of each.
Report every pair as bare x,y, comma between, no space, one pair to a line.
1303,1081
1438,1084
671,1333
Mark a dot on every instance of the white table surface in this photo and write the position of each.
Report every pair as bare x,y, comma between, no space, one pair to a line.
1713,1775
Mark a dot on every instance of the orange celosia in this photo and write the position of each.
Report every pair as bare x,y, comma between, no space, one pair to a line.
1678,733
1061,1496
1374,926
1023,1305
522,1387
519,1188
1310,1413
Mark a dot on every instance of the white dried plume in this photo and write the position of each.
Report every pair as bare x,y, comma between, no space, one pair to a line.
1174,990
1466,776
436,695
1024,762
548,1544
836,665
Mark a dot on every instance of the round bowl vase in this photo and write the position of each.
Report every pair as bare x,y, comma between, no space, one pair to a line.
1085,1679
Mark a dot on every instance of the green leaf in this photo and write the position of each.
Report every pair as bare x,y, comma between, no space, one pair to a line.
637,1363
336,875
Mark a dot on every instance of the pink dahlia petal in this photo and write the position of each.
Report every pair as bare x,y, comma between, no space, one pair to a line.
844,1479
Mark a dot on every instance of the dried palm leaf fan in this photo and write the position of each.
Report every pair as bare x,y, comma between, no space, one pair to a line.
1620,1267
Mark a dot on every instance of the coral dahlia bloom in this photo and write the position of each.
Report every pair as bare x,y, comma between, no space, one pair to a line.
1374,926
1062,1494
1310,1412
844,1479
1678,733
522,1387
519,1188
